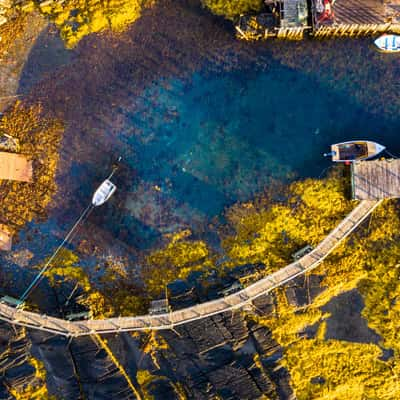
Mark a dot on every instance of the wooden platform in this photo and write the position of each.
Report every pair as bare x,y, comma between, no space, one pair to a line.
15,167
379,179
363,12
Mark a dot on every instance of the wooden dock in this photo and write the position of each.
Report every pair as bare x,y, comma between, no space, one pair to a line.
292,19
374,180
234,301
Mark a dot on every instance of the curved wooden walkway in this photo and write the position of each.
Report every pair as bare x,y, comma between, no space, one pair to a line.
199,311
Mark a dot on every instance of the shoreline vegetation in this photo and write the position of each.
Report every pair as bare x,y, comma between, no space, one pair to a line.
39,139
322,367
76,19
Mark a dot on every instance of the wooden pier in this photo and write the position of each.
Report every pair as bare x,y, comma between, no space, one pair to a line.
373,180
292,19
242,298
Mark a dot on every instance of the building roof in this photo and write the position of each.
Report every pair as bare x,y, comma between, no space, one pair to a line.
15,167
5,238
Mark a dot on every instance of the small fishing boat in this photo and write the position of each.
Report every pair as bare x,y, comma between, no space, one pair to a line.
388,43
354,150
103,193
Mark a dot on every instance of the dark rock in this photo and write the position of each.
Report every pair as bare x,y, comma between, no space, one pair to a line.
317,380
346,321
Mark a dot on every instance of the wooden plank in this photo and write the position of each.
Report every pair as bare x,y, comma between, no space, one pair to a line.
15,167
379,179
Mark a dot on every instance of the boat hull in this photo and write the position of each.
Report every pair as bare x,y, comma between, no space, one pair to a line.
103,193
355,150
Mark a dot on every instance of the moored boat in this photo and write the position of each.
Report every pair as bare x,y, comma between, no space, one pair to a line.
388,43
103,193
354,150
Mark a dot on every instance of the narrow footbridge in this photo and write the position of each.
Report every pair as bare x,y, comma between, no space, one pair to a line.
202,310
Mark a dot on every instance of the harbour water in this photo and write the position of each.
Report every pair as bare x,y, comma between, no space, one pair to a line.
204,144
199,133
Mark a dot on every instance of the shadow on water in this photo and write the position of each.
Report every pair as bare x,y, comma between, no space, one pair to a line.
48,55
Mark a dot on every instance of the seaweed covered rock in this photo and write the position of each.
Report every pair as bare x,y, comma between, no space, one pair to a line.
78,18
39,139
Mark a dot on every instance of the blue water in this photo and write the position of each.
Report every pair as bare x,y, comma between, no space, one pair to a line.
193,146
202,144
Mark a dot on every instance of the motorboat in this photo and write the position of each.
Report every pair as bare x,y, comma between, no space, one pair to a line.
103,193
388,43
354,150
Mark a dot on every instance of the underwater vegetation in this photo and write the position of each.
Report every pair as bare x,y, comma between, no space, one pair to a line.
264,231
110,296
77,18
176,260
11,31
268,232
39,137
322,367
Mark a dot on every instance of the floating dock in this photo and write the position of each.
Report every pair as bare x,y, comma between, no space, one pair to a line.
374,180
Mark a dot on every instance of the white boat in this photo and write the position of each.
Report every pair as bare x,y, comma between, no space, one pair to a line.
354,150
103,193
388,43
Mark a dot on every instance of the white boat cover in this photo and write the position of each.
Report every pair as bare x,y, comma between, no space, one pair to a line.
389,43
103,193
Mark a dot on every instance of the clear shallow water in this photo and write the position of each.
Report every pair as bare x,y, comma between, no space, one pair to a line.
202,145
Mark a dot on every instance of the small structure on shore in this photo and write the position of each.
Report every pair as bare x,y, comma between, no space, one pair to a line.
15,167
287,18
159,307
291,19
5,238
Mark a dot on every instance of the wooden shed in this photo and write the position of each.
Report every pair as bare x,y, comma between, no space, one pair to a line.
15,167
